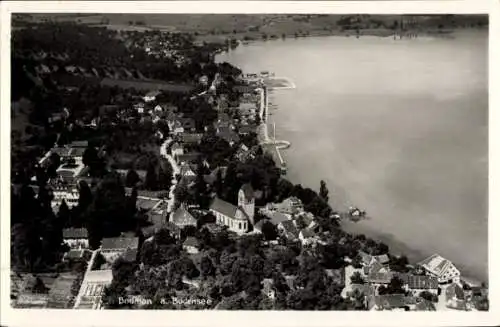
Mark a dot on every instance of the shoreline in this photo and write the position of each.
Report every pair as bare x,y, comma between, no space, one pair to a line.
396,246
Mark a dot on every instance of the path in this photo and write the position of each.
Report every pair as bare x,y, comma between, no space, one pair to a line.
175,170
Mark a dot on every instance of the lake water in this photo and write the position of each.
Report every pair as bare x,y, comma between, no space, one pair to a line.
396,127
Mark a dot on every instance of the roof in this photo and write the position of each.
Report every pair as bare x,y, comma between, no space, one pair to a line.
188,157
153,93
212,177
420,282
191,241
69,233
79,144
436,264
176,146
61,151
380,278
225,208
247,191
147,204
383,259
120,243
375,267
290,227
228,135
190,137
246,129
182,217
185,170
306,233
74,254
77,152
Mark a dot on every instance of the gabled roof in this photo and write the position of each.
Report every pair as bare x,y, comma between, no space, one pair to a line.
188,157
436,264
79,144
191,241
190,138
248,191
228,135
182,217
420,282
225,208
119,243
306,233
75,233
380,278
61,151
276,217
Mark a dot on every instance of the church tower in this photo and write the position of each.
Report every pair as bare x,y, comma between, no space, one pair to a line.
246,201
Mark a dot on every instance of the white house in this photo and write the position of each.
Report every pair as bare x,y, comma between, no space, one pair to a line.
442,268
67,193
191,245
76,238
151,96
307,237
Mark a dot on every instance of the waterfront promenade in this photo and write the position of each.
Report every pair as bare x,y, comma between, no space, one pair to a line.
272,145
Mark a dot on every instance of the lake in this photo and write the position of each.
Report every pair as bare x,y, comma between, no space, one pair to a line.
398,128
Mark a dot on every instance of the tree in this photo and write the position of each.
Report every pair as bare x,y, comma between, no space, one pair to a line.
323,191
151,178
356,278
426,295
207,267
269,230
399,264
395,287
132,178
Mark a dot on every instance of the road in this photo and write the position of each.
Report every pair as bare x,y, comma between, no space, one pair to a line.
175,169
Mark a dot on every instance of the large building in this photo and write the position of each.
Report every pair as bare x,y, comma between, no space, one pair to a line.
236,218
442,268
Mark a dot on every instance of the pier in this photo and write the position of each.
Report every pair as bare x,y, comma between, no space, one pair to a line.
271,145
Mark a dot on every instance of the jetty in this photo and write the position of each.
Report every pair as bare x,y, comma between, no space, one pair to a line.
271,145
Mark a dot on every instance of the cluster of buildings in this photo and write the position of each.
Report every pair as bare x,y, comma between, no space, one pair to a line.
436,277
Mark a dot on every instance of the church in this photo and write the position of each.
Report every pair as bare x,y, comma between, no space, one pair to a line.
236,218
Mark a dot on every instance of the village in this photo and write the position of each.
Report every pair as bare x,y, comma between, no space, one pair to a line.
207,215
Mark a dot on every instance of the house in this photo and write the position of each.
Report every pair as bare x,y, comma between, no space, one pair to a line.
307,237
228,135
365,289
76,238
191,245
182,218
455,298
391,302
268,288
442,268
291,206
151,96
158,108
367,259
74,255
379,278
187,173
176,149
61,192
374,268
234,217
188,158
416,284
114,247
190,138
288,229
247,129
